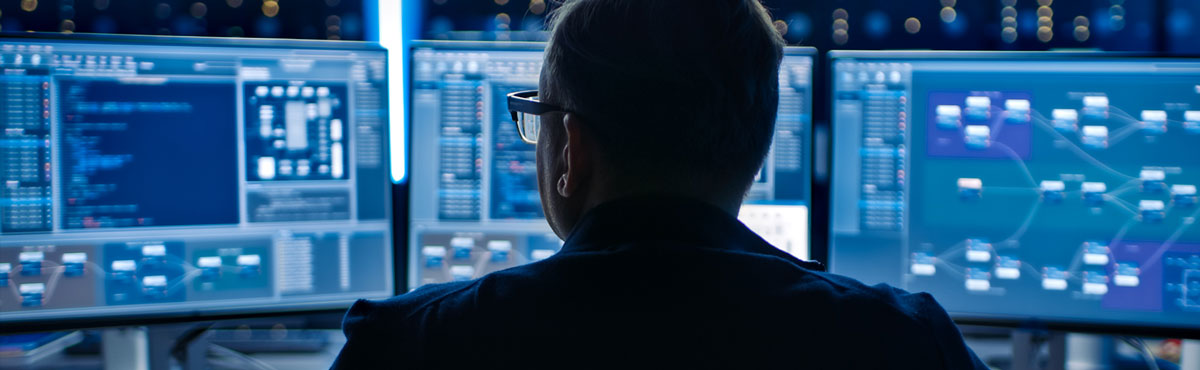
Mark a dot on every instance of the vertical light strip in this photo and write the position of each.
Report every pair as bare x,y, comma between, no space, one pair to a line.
391,37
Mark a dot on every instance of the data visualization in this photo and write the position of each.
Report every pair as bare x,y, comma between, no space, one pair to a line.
155,177
1057,187
475,205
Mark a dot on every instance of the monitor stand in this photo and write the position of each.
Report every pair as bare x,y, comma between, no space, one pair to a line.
142,348
1027,349
125,348
1190,354
1091,352
187,346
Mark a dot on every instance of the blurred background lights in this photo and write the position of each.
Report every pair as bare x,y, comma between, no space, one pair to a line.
1180,23
781,27
948,14
503,20
1082,33
162,11
799,26
1045,12
1045,34
1082,28
840,14
270,8
537,6
841,26
954,24
1117,15
840,37
1008,22
912,25
198,10
1008,34
1082,21
1008,12
1168,26
877,24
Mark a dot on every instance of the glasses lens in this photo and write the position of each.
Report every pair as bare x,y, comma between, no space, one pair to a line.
529,125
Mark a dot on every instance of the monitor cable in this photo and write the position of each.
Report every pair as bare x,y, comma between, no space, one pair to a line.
251,361
1147,354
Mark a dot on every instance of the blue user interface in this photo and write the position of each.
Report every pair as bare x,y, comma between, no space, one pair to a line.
1058,187
475,206
140,176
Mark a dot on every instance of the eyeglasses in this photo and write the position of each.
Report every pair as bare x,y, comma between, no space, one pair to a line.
527,112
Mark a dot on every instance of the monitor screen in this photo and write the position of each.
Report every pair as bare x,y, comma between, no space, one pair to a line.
153,176
475,206
1054,187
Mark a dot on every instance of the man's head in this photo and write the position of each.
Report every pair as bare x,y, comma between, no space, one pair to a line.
665,97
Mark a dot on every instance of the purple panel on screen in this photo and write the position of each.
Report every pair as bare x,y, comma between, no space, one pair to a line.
1148,294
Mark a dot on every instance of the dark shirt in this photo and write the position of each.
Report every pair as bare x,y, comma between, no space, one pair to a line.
654,282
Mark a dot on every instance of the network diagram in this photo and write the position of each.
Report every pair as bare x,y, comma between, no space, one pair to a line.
131,273
1004,127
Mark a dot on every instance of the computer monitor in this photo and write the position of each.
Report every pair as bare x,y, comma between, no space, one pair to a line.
148,178
474,200
1046,188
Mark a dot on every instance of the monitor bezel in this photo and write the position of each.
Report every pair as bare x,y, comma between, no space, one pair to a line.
168,316
1033,323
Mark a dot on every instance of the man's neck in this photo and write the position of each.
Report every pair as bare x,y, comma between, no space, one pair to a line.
602,195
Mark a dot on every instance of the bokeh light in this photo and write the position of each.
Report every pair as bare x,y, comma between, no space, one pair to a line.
537,6
912,25
948,14
198,10
162,11
270,8
1082,33
1008,34
1045,34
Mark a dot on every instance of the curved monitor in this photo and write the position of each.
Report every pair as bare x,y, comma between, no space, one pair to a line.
474,200
1023,188
148,178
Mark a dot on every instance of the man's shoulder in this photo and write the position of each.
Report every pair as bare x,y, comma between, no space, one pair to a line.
873,302
433,300
885,310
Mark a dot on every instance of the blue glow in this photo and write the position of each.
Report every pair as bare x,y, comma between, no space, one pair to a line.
958,27
1179,23
799,26
390,31
877,24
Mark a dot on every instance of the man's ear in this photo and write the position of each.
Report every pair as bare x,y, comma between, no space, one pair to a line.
577,156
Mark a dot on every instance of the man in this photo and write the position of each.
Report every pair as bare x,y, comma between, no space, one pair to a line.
652,120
